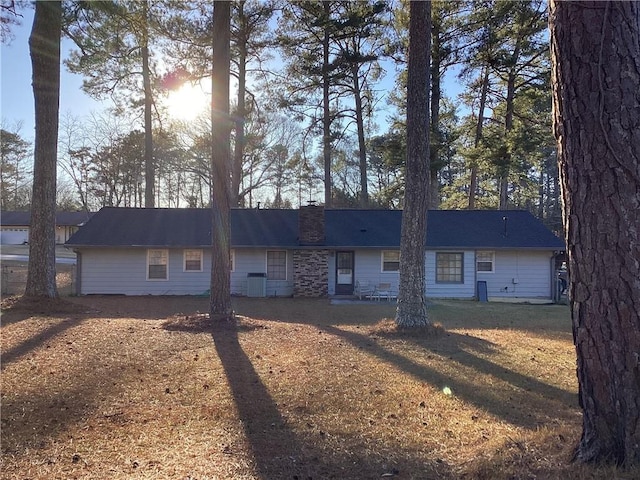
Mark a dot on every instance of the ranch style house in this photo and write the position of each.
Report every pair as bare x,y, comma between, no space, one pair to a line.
316,252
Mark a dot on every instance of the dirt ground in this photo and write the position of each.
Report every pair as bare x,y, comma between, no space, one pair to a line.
117,387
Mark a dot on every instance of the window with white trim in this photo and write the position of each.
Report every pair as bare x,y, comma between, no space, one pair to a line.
193,260
277,264
391,260
485,261
157,264
449,267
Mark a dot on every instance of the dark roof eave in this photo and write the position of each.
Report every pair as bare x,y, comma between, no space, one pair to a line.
77,245
488,247
281,247
334,247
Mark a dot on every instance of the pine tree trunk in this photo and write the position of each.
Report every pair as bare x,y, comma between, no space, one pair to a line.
505,164
362,145
44,46
595,48
436,138
239,145
412,311
473,182
220,297
326,115
149,165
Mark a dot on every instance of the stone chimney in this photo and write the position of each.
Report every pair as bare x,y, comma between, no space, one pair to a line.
311,225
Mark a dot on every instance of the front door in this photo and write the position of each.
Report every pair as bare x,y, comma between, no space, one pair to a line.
344,273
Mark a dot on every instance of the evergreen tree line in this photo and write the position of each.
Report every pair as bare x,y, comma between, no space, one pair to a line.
312,117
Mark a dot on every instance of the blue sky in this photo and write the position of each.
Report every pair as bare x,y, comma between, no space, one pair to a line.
16,94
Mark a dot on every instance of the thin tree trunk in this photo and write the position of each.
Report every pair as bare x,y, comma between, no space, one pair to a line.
505,166
44,47
220,297
362,146
473,184
326,116
541,189
436,138
595,51
149,167
238,153
412,311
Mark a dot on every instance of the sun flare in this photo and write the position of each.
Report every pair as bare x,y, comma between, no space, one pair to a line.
187,102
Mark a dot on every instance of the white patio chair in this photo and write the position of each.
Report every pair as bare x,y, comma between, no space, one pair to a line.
363,290
383,290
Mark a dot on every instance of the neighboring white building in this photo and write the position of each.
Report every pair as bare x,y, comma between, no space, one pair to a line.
14,226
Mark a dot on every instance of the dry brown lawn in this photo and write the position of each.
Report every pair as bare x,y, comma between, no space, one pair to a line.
144,388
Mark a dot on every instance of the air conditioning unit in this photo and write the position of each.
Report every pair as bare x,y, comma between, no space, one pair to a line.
256,285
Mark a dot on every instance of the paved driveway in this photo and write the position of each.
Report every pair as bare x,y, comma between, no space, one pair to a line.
20,253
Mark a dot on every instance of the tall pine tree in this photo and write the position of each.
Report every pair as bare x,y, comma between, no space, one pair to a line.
595,50
44,47
412,308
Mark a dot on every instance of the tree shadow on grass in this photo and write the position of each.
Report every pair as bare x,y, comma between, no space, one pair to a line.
275,448
26,346
529,403
279,451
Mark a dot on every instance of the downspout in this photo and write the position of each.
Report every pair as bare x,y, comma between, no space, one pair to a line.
475,276
78,272
555,295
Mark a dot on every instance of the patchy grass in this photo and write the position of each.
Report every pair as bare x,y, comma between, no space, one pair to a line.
132,387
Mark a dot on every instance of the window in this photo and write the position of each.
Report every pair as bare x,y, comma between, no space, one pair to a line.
449,268
484,262
193,260
390,260
277,265
157,261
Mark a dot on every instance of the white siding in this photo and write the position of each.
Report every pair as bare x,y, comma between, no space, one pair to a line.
254,260
451,290
367,270
63,233
124,271
14,235
331,265
530,269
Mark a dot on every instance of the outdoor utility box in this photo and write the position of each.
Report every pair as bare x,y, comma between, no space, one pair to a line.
256,285
482,291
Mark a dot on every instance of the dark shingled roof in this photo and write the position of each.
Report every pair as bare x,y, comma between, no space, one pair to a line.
148,227
189,227
185,227
62,218
496,229
264,228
